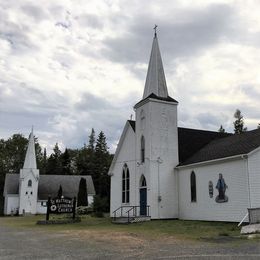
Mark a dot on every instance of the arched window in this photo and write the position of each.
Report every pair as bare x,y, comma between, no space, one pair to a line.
142,116
193,187
142,149
142,181
30,183
125,185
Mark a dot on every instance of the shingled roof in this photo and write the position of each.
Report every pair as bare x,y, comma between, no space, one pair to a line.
192,140
49,185
243,143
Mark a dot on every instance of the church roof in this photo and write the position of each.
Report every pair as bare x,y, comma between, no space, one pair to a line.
236,144
153,96
132,124
30,158
49,185
155,78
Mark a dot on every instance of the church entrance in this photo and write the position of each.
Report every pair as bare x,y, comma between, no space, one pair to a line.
143,197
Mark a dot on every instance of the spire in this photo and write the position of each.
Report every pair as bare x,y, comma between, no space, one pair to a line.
155,79
30,158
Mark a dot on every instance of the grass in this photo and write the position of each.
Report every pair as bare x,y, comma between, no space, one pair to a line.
153,229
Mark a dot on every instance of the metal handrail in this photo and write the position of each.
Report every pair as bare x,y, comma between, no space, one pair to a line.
134,208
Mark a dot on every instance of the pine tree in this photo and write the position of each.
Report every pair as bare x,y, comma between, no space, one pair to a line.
82,193
92,140
239,123
221,129
66,162
102,162
59,195
54,162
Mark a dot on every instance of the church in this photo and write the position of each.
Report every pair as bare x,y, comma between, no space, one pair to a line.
28,192
163,171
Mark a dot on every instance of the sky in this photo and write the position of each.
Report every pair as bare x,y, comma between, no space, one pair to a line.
67,66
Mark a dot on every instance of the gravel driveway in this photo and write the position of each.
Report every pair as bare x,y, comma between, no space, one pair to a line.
85,244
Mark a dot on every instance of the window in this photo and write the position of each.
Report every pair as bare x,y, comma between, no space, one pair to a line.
143,181
142,149
210,189
30,183
193,187
125,185
142,116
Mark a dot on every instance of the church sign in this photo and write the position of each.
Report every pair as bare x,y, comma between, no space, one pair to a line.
61,205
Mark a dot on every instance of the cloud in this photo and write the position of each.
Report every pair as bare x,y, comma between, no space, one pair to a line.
71,66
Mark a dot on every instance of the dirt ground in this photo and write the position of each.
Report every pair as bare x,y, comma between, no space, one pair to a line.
23,243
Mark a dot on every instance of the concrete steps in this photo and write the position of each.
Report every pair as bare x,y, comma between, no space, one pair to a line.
124,220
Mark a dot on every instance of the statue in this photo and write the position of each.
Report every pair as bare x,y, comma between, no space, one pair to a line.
221,186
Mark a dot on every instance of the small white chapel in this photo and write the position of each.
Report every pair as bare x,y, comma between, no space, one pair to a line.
27,192
164,171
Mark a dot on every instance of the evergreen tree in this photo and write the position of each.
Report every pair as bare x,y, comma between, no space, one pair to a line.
59,195
102,162
221,129
82,193
92,140
239,123
66,163
44,162
54,162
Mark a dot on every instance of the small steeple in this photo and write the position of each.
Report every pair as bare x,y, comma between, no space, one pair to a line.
155,79
30,158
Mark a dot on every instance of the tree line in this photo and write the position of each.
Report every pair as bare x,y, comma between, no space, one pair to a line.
239,125
92,159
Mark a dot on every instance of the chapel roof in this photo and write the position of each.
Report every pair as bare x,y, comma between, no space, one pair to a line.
49,185
30,158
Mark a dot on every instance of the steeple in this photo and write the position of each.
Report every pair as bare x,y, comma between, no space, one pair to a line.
30,158
155,79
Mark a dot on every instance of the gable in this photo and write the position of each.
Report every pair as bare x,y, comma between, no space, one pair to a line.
128,129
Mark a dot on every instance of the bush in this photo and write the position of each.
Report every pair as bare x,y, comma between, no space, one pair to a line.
99,206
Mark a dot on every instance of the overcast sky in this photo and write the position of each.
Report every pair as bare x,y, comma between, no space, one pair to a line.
67,66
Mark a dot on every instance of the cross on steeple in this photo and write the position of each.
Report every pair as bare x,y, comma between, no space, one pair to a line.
155,30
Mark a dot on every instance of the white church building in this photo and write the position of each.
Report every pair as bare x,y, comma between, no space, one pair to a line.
165,171
28,192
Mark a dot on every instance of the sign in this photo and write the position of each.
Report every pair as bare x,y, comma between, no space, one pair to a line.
61,205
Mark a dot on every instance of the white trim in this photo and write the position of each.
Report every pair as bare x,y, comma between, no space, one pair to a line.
121,140
254,151
142,102
239,156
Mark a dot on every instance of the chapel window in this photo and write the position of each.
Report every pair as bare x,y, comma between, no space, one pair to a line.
193,187
142,149
125,185
30,183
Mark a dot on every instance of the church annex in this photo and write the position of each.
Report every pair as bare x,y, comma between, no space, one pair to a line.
165,171
27,192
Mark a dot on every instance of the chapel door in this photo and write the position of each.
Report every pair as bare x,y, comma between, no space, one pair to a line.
143,201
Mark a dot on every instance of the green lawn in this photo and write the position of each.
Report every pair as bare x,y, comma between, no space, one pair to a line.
153,229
